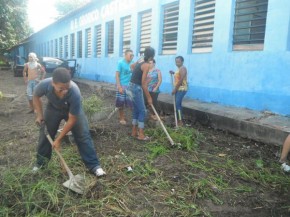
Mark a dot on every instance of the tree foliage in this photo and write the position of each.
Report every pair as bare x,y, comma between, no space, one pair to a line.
66,6
14,26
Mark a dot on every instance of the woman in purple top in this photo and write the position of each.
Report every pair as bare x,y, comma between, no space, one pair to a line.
154,79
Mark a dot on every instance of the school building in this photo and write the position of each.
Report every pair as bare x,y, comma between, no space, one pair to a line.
237,52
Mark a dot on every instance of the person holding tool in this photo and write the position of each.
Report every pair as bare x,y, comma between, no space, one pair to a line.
64,102
180,86
138,87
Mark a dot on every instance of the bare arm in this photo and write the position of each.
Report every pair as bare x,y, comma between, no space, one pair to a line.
38,108
43,72
118,83
145,69
159,81
67,127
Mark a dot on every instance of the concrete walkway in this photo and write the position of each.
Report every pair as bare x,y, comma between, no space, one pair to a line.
265,127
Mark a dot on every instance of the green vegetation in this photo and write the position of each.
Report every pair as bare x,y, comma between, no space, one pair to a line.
165,180
13,23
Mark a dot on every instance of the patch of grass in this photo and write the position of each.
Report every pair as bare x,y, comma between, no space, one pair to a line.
92,105
188,138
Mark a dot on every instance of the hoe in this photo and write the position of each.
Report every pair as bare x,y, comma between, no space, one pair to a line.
75,183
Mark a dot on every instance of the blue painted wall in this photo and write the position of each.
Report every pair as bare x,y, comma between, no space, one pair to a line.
252,79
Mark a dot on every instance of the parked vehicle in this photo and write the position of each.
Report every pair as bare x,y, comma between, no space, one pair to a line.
49,64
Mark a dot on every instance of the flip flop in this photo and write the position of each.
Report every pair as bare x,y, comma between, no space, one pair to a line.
123,122
146,138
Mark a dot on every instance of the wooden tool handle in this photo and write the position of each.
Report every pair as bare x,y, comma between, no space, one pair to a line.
60,157
162,125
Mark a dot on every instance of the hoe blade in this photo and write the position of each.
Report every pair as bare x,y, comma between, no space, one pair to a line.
76,184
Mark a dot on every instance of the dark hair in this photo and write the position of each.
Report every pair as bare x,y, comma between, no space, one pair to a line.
154,61
180,57
149,53
61,75
128,50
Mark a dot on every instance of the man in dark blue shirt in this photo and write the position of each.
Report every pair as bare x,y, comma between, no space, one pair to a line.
64,103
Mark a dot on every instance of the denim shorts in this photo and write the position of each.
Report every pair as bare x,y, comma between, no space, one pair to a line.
31,84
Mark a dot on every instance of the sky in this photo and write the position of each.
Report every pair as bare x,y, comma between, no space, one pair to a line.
41,13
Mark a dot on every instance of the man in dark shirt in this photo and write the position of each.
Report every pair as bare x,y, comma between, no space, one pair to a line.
64,102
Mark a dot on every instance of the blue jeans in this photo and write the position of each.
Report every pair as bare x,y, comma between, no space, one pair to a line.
31,84
179,95
80,132
139,109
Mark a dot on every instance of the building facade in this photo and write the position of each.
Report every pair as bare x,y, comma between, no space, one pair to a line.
237,52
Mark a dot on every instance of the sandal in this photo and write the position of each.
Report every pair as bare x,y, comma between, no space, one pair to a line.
146,138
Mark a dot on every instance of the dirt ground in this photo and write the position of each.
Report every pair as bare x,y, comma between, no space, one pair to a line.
257,197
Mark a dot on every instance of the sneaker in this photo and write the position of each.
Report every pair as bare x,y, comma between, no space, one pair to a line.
100,172
285,167
35,169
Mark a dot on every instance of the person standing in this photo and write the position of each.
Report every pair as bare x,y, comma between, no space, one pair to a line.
154,79
123,76
33,72
138,86
180,86
64,103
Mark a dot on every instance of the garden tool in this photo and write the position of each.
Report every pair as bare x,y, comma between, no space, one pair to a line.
75,183
174,103
112,113
162,125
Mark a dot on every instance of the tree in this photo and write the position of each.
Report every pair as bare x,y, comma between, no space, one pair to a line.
14,26
66,6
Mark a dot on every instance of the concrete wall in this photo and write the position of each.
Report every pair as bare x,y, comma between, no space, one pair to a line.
252,79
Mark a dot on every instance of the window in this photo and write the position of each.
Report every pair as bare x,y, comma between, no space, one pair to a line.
98,40
88,42
126,36
44,49
66,47
110,38
72,45
250,24
56,48
51,48
48,50
145,31
80,44
170,28
60,48
203,25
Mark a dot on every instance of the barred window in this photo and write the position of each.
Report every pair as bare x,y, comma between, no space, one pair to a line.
66,47
51,48
98,40
80,44
43,49
145,31
126,36
48,50
170,28
250,24
88,42
110,38
203,25
72,45
56,48
60,48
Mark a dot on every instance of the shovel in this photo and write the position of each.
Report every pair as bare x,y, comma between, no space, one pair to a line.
75,183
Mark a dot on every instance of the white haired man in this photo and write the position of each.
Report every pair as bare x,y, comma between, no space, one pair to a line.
33,72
